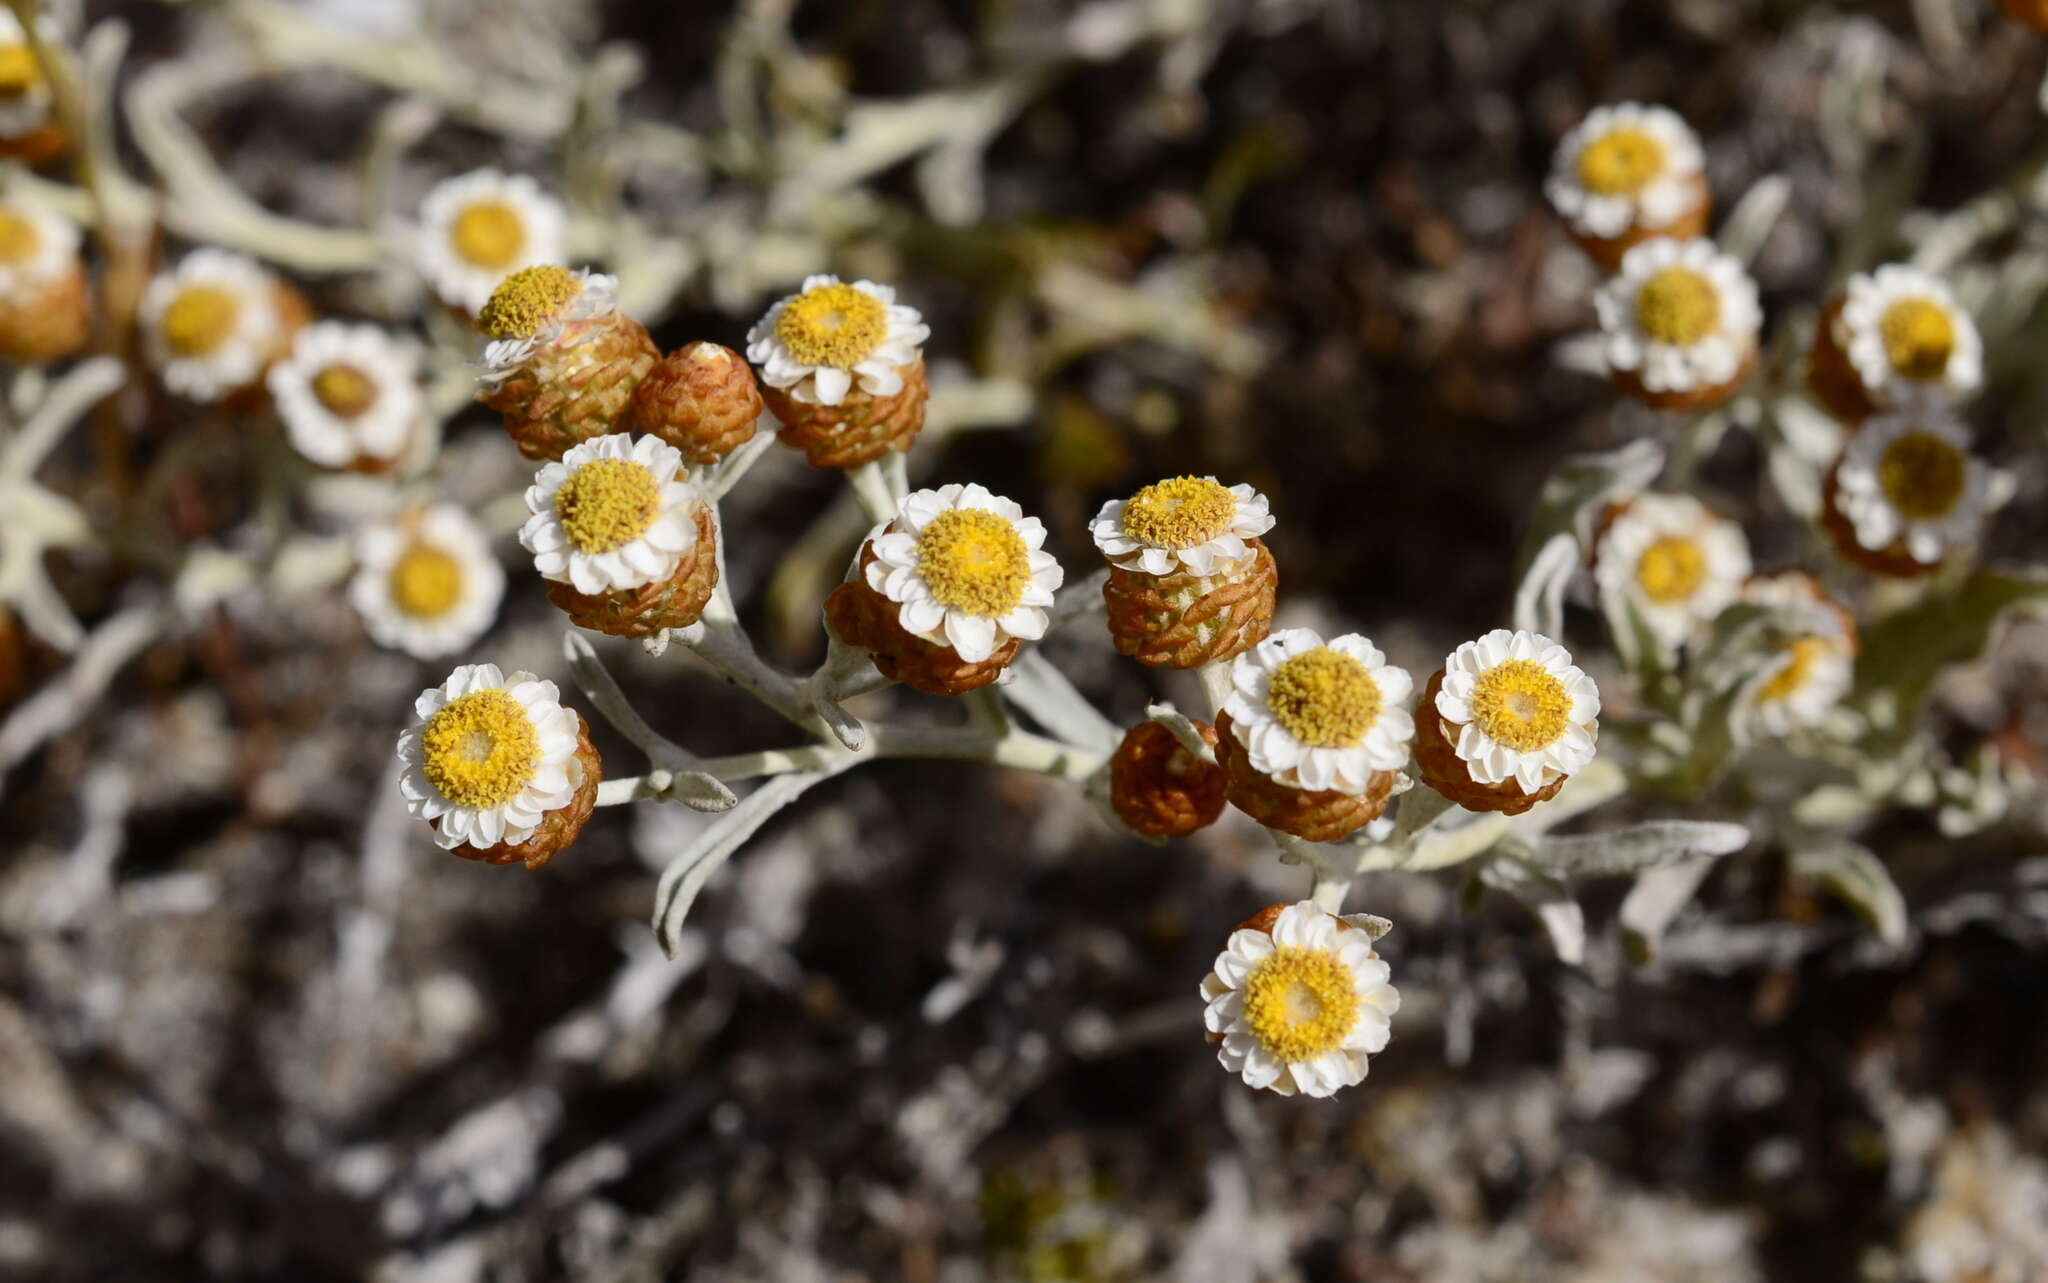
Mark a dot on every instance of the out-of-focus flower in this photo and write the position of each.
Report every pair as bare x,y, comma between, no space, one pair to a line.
478,228
25,99
702,399
1679,324
1625,173
45,306
214,323
560,361
1505,722
1189,582
1159,788
842,368
1906,493
1299,1002
948,589
498,766
1673,560
1894,339
426,583
349,396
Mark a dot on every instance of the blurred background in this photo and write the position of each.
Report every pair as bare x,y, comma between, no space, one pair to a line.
936,1022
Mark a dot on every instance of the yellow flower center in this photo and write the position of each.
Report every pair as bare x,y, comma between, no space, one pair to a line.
1300,1003
974,561
200,319
480,749
1918,337
607,503
20,73
1678,306
526,300
1180,513
1521,705
489,234
344,390
1805,652
1620,163
425,582
1922,475
1670,570
1325,698
835,325
18,239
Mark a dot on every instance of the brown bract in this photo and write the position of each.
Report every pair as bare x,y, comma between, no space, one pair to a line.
1314,815
38,147
48,321
860,429
1608,251
1436,756
1831,377
575,387
860,616
1630,383
1160,789
2032,13
675,602
1186,620
702,399
558,828
1892,559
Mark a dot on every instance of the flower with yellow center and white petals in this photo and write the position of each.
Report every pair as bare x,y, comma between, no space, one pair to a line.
1320,715
537,308
1521,709
966,568
1301,1007
617,512
24,90
1679,316
819,341
1799,685
1623,167
1674,561
1909,340
348,393
427,583
1195,523
478,228
1909,478
37,246
211,324
488,757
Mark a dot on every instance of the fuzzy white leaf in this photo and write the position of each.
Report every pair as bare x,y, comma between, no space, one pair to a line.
1860,878
1644,846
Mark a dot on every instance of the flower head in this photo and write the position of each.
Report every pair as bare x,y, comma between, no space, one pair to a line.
617,512
1520,709
1676,562
489,756
427,583
1799,684
966,568
478,228
1320,715
1192,522
537,307
37,246
24,91
1623,167
348,393
1680,316
211,324
1908,478
1299,1001
1908,339
819,341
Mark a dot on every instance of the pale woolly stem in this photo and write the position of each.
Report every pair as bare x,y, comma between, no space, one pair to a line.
1215,679
871,488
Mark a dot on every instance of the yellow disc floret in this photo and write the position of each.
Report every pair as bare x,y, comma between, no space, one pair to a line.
489,234
19,71
1325,698
1180,513
1922,475
1621,162
1919,337
1671,569
344,390
607,503
18,239
972,560
480,749
425,581
1521,705
835,325
200,319
1801,656
527,300
1300,1003
1678,306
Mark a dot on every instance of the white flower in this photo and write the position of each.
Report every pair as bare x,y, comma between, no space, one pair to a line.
1515,707
478,228
1623,167
1676,562
1191,522
820,340
489,756
24,92
427,583
1909,478
1796,689
614,513
211,324
1316,715
1301,1007
552,308
1909,340
37,246
347,393
1680,315
967,569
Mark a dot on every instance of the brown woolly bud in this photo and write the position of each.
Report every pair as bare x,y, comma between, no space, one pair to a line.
1436,757
1187,620
1607,251
701,399
675,602
13,658
1830,375
558,828
1630,383
38,147
860,429
1314,815
1159,788
1893,559
47,321
860,616
2032,13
